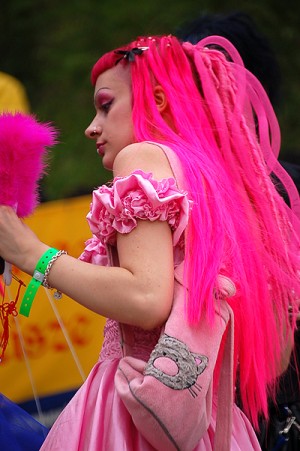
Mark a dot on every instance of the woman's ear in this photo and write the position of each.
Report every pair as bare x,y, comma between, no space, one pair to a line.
160,98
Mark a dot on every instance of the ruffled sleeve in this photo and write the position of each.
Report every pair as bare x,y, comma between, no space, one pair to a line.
95,252
117,208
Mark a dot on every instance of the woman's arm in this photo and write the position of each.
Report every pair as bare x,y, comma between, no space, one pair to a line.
140,291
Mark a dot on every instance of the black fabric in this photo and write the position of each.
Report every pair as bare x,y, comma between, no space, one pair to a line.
283,430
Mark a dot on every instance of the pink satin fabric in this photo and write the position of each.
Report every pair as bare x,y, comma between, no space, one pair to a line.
97,420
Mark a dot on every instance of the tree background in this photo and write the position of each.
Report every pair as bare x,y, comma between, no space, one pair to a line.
51,45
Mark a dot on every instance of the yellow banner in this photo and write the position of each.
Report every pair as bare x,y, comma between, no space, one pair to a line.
50,365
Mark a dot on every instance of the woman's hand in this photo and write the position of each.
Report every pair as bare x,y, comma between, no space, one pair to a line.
18,244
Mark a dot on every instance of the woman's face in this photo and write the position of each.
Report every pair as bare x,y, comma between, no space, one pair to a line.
112,127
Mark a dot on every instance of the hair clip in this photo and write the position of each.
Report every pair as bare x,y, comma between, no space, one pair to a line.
129,55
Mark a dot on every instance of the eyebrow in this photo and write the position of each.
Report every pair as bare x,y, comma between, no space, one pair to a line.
104,87
97,92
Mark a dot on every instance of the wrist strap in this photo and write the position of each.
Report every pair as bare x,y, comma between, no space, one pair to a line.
36,281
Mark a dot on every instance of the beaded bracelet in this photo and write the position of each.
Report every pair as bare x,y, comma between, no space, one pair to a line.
45,263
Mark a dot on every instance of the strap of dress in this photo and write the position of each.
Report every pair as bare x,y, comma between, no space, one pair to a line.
174,163
223,432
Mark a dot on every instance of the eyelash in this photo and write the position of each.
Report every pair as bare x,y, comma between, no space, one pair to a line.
105,107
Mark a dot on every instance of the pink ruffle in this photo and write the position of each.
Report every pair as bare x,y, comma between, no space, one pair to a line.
117,208
94,252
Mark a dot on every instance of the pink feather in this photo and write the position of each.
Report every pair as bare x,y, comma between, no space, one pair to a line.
23,148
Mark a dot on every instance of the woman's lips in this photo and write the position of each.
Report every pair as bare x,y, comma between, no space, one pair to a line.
100,148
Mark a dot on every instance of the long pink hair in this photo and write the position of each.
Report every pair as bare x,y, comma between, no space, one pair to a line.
226,135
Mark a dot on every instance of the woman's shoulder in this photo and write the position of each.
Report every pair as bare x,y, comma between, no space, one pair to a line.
144,156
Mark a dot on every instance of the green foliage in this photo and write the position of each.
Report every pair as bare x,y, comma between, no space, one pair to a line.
51,46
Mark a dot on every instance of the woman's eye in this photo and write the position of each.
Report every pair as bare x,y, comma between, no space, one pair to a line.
105,107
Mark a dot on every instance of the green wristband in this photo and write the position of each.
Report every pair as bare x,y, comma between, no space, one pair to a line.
36,281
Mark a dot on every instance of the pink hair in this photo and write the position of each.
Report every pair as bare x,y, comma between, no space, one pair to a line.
226,135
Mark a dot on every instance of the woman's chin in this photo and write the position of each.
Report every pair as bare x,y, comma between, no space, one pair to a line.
107,163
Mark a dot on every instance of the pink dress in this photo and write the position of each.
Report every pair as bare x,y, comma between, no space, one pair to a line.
96,418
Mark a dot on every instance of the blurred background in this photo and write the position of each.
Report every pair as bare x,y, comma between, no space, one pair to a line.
50,46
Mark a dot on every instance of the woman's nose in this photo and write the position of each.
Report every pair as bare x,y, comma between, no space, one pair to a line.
92,131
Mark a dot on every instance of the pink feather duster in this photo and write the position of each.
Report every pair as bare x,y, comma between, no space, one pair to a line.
23,148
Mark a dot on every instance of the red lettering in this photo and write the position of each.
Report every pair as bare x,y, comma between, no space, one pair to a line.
58,344
35,340
79,328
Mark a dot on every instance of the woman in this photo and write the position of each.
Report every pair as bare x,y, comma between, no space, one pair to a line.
189,136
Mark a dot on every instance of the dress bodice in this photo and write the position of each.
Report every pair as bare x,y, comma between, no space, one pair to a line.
143,341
